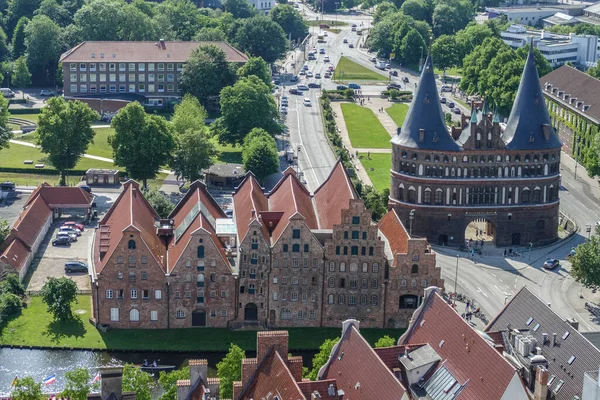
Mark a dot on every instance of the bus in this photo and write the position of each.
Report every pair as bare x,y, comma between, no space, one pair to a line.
321,38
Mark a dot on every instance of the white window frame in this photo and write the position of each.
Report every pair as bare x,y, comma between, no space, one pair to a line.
153,315
109,293
158,294
114,314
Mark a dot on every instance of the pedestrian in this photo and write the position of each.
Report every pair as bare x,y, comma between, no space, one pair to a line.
481,242
504,252
468,304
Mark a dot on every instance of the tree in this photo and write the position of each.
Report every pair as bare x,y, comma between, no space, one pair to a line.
42,39
413,46
141,158
77,384
591,158
415,8
161,203
467,39
450,16
189,114
168,382
137,25
22,76
5,133
229,370
11,284
206,73
208,34
100,19
64,132
181,17
59,294
193,154
261,37
290,20
27,389
18,38
260,154
322,357
376,201
56,12
138,381
585,264
444,52
382,36
18,9
246,105
255,66
384,9
385,341
239,8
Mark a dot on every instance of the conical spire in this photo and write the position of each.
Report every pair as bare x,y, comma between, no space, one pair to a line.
474,116
529,126
496,118
486,108
424,126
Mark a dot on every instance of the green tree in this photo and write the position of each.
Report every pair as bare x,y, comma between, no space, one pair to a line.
322,357
239,8
591,158
64,132
375,201
11,284
206,73
444,52
18,38
246,105
194,153
10,304
100,19
27,389
137,25
181,17
255,66
168,382
22,76
59,294
77,384
18,9
384,9
5,133
138,381
413,46
141,143
260,154
55,11
450,16
290,21
585,264
467,39
415,8
381,38
189,114
261,37
385,341
210,34
42,39
229,370
161,203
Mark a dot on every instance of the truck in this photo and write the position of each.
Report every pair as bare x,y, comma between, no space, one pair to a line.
380,65
321,38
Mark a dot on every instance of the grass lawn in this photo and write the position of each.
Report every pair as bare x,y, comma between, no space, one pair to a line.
354,71
34,327
326,22
397,112
32,179
454,71
100,147
229,154
364,128
381,164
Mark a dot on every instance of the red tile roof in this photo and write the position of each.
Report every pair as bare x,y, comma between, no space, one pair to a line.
333,195
30,222
291,197
466,354
248,201
359,372
391,227
62,196
272,377
15,255
174,52
130,210
322,387
389,355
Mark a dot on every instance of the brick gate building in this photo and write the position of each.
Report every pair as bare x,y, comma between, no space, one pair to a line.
509,178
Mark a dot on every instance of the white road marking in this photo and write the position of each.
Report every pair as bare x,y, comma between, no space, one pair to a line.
499,289
481,291
302,144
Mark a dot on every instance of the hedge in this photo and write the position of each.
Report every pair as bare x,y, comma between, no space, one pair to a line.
42,171
15,111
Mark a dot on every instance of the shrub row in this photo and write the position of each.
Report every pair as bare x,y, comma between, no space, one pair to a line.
42,171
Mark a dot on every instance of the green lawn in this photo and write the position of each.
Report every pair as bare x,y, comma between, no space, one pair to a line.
397,112
33,179
454,71
364,128
28,117
355,72
100,147
229,154
381,164
34,327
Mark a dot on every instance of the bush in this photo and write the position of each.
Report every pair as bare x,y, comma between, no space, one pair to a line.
41,171
349,93
15,111
394,94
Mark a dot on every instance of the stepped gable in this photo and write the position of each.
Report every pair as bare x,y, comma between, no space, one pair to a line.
424,126
334,195
529,126
248,202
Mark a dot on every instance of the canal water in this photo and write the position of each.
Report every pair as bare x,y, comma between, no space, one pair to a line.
40,364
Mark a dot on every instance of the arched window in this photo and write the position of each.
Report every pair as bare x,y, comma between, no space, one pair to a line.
188,263
403,283
414,269
341,299
296,248
427,196
536,195
498,158
285,314
331,282
458,172
424,283
413,283
353,267
200,280
525,195
131,244
401,192
306,248
438,196
342,267
465,159
213,277
134,315
412,195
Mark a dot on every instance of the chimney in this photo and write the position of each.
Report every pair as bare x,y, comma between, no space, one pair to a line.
540,391
544,338
183,388
165,227
573,322
162,44
421,135
553,339
198,369
112,382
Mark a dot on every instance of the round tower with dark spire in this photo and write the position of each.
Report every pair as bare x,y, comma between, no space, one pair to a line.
506,176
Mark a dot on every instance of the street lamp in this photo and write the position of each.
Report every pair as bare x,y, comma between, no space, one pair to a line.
411,216
588,229
456,279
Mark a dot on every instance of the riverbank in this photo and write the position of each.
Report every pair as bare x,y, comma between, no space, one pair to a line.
35,328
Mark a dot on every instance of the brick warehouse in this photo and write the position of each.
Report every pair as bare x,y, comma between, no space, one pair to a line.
510,178
287,258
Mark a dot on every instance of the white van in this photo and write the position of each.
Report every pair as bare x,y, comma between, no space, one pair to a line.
6,92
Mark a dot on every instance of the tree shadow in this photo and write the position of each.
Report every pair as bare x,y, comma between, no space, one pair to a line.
56,331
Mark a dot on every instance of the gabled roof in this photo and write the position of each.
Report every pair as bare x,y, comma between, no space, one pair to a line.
15,255
31,220
525,305
291,197
469,358
130,211
62,196
322,387
529,126
391,227
334,195
425,113
272,376
358,371
248,201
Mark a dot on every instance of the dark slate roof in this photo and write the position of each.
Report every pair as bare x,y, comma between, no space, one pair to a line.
525,305
425,112
529,126
593,337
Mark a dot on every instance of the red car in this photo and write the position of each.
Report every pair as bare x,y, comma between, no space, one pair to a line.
73,225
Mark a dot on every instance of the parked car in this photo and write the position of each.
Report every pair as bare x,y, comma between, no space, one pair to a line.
325,34
387,66
354,86
86,188
446,88
326,59
73,224
551,263
311,57
293,91
46,93
443,100
61,241
456,110
351,46
314,85
69,236
341,87
7,186
345,41
276,82
451,104
294,79
309,74
307,102
305,67
76,266
6,92
321,51
69,230
327,74
283,109
302,87
318,75
373,59
302,72
394,73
